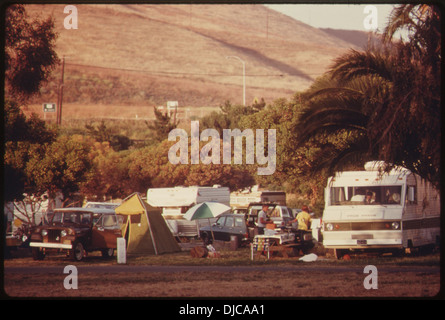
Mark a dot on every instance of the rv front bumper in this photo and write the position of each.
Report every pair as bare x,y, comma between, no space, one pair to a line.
382,239
50,245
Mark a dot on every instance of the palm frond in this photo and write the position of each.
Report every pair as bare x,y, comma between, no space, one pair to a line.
356,64
399,18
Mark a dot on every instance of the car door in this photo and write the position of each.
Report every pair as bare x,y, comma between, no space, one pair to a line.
105,232
218,228
239,227
228,228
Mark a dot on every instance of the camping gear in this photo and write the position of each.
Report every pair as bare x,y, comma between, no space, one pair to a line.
199,252
145,230
206,210
172,201
309,257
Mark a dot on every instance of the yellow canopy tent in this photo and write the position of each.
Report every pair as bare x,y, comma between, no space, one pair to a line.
145,230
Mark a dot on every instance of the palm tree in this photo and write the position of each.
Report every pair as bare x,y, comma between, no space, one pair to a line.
387,98
342,104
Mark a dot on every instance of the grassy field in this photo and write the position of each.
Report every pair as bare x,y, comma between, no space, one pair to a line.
274,278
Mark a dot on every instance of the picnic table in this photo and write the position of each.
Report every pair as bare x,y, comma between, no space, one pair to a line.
281,243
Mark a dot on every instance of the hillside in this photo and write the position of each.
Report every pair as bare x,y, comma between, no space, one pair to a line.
147,54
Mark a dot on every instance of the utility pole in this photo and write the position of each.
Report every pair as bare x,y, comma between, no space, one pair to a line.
60,95
244,76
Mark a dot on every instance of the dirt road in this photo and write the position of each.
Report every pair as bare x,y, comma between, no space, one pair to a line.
206,269
290,281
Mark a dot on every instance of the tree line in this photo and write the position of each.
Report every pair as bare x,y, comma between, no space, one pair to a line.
380,103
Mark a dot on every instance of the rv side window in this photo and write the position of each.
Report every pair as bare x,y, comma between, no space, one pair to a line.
338,196
366,195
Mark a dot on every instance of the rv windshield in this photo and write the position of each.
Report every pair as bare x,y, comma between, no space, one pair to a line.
366,195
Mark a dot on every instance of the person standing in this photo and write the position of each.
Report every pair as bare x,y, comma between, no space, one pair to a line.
262,219
303,218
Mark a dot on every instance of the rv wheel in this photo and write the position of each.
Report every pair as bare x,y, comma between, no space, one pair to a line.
339,253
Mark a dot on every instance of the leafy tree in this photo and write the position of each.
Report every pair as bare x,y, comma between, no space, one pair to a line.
111,173
29,52
150,167
63,167
103,134
43,171
229,116
162,125
29,58
23,137
295,170
20,128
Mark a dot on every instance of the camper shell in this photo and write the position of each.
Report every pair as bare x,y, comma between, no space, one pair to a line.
375,210
174,203
240,200
280,215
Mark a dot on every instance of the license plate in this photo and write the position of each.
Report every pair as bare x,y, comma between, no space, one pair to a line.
360,241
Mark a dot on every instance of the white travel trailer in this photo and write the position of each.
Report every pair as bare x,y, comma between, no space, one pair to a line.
383,211
175,202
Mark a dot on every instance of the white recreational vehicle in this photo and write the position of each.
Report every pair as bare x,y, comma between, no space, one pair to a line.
175,202
374,210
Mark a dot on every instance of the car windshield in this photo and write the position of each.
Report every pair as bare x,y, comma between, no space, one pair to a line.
380,195
101,205
72,217
221,220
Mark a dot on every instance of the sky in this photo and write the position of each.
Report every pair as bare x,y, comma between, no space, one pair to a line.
335,16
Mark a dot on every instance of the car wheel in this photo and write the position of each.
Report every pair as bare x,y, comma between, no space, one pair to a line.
339,253
107,253
38,254
77,253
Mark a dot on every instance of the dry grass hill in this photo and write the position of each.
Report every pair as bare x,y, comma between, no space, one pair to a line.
138,56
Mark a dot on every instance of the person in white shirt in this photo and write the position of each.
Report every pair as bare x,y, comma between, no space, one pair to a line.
262,219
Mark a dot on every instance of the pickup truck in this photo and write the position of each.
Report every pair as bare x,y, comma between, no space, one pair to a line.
280,215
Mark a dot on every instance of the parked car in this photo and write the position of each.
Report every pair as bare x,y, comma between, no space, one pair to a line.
226,226
77,231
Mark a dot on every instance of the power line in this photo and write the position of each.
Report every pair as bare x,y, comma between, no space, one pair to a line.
191,73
